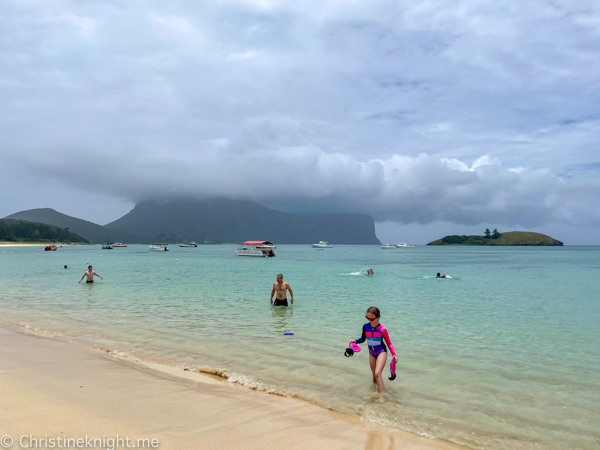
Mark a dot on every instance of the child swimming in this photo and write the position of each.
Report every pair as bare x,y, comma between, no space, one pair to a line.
375,333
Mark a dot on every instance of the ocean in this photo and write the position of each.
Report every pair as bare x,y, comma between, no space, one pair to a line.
503,355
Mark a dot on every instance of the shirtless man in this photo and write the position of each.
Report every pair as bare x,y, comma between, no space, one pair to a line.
281,286
90,275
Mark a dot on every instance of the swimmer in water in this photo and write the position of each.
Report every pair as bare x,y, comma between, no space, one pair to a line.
370,272
375,334
439,276
90,275
281,287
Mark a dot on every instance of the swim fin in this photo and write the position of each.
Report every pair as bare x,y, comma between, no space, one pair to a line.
350,350
392,370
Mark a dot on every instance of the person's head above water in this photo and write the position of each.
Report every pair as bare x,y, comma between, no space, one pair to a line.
438,274
89,267
280,277
373,315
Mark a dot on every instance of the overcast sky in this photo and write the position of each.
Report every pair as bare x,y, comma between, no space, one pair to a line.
434,117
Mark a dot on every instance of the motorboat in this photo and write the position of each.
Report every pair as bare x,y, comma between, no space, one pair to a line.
404,245
50,248
322,244
256,248
119,244
388,247
107,246
159,247
188,244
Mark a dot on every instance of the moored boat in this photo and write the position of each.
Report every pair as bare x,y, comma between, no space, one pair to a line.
404,245
159,247
188,244
388,247
256,248
322,244
119,244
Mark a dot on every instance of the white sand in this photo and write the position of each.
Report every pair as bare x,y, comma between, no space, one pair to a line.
54,388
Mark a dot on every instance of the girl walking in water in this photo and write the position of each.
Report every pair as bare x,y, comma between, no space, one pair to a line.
375,334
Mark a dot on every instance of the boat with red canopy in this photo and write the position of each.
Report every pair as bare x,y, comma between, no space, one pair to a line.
256,248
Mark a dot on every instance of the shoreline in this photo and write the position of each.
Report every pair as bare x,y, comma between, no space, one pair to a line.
22,244
44,381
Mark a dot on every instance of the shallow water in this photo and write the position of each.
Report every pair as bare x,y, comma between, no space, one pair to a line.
504,355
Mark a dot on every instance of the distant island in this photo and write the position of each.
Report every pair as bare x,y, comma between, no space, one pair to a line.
213,221
497,238
24,231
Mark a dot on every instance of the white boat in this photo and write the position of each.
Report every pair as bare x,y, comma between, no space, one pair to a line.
107,247
159,247
322,244
119,244
256,248
388,247
404,245
188,244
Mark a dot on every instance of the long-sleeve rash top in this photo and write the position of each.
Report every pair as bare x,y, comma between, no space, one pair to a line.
375,339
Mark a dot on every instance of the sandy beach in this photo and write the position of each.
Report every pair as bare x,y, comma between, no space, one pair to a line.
52,388
20,244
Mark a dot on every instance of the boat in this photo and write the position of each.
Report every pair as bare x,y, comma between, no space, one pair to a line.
188,244
256,248
119,244
322,244
404,245
50,248
159,247
107,246
388,247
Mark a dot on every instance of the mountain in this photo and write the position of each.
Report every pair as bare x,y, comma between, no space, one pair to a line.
24,231
508,238
233,221
88,230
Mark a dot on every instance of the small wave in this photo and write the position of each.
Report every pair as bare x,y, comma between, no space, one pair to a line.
356,274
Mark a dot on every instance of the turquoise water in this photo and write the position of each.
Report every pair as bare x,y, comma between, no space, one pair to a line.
505,355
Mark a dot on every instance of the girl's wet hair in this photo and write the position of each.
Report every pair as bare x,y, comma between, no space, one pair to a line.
373,310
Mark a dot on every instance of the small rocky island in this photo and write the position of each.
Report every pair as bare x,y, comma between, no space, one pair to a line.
497,238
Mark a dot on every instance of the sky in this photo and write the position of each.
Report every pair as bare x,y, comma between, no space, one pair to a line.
434,117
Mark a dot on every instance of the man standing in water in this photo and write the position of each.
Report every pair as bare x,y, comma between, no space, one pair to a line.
281,287
90,275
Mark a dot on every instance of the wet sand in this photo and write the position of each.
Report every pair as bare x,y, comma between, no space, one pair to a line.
52,388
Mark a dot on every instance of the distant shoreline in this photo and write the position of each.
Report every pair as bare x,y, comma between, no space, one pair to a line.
23,244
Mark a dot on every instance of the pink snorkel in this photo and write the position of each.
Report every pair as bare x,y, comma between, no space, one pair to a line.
350,350
393,369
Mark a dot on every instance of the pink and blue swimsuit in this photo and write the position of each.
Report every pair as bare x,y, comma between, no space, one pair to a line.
374,337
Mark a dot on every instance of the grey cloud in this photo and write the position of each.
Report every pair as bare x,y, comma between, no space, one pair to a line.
311,106
403,189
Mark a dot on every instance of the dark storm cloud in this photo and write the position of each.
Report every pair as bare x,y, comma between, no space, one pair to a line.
464,111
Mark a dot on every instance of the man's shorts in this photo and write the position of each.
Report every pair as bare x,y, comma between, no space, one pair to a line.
281,302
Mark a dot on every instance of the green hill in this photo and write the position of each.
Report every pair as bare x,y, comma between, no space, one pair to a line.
92,232
24,231
508,238
213,221
234,221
